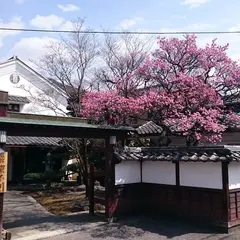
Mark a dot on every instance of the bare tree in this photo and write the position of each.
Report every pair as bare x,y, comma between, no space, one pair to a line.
69,62
68,65
121,56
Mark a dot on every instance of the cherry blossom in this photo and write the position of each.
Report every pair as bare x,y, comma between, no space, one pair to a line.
186,89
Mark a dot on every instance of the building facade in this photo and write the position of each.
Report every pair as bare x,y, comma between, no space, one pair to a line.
30,96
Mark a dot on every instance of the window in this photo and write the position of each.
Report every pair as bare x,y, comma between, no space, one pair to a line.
14,107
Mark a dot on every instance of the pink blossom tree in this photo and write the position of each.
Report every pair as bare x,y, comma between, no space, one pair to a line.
188,87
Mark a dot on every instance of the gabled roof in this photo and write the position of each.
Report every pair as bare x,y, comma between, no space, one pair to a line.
17,99
184,154
32,73
149,128
59,129
32,141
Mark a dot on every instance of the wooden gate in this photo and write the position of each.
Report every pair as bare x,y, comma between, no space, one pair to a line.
97,199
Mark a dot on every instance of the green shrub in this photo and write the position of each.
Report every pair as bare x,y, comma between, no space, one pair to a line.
45,176
33,176
52,175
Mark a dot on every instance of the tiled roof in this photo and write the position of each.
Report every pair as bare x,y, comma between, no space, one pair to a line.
191,154
32,141
18,99
149,128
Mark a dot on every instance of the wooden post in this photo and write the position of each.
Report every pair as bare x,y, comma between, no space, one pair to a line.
177,187
91,190
141,163
226,196
3,113
177,169
110,196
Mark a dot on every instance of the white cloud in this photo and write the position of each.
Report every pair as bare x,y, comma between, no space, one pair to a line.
20,1
68,7
67,26
52,22
234,28
200,26
195,27
47,22
179,17
194,3
31,48
130,22
14,23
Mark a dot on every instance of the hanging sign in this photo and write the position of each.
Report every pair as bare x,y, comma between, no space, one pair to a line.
3,171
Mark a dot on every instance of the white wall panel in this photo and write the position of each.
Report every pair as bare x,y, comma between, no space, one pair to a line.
234,175
199,174
127,172
158,172
35,90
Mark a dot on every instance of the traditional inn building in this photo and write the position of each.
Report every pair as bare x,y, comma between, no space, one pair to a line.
35,97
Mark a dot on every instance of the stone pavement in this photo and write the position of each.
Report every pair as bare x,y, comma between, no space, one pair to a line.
27,220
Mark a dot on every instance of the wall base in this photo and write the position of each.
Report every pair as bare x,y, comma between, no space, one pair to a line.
203,206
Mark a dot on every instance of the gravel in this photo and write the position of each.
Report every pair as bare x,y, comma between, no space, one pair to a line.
145,228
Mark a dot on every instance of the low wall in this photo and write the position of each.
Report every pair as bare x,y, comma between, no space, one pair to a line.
158,199
191,174
193,190
234,205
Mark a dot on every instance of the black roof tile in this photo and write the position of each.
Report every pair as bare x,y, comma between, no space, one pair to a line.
32,141
149,128
191,154
17,99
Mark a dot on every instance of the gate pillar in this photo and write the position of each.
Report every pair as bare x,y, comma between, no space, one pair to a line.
110,196
3,157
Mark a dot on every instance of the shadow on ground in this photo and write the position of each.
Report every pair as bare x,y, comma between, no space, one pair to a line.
125,229
22,213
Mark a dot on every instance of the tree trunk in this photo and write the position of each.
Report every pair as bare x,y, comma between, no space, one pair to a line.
79,179
85,161
86,180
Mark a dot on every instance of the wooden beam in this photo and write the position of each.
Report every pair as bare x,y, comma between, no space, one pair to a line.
226,196
177,173
141,162
91,190
3,113
61,132
110,196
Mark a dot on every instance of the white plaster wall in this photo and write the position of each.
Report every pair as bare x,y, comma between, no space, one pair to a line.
159,172
198,174
35,90
234,175
127,172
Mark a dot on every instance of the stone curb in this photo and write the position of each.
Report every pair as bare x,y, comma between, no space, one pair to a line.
31,199
40,235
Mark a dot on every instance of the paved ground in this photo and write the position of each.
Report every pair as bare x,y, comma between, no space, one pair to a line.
19,207
27,220
147,229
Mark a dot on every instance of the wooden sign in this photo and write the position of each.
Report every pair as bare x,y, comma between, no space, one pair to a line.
3,172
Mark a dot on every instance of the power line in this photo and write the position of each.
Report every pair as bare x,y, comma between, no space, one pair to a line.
119,32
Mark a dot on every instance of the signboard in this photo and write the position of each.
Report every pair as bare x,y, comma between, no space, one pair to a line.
3,172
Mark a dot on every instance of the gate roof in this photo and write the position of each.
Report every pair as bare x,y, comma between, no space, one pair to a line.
67,129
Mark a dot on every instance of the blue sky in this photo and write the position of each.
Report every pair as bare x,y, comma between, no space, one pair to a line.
146,15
